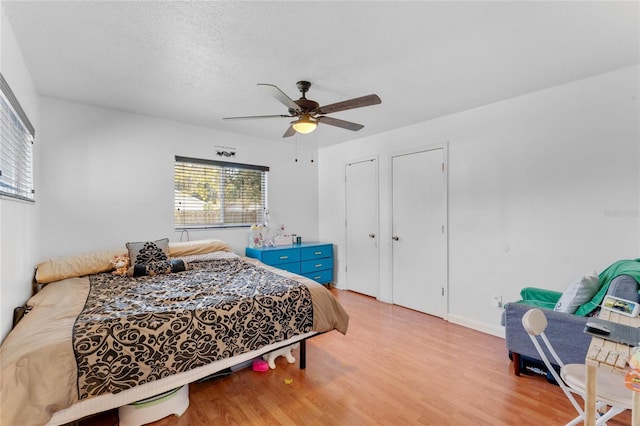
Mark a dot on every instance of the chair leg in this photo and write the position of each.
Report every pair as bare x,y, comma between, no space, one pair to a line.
516,363
578,420
613,411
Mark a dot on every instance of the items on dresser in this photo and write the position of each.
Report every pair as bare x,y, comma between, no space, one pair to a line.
312,259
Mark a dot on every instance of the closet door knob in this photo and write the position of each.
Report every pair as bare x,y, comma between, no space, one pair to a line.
395,238
372,235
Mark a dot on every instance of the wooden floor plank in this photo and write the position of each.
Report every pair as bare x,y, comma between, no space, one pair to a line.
394,366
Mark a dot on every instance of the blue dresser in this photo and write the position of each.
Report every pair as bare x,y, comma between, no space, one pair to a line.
313,260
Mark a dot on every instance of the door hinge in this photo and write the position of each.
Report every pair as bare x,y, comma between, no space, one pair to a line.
443,229
443,291
443,167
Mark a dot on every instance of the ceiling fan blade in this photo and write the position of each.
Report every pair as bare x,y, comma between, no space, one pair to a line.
258,116
360,102
340,123
280,95
290,132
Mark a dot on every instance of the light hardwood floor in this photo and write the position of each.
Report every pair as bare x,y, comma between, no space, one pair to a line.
395,366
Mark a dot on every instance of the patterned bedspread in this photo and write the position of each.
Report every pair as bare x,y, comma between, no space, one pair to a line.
135,330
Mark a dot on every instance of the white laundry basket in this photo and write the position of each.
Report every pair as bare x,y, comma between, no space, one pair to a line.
149,410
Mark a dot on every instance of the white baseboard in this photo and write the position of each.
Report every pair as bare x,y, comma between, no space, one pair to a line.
494,330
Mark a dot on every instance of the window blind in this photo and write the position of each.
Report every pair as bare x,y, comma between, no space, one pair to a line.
16,147
209,193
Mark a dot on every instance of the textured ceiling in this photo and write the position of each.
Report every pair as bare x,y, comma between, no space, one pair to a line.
197,62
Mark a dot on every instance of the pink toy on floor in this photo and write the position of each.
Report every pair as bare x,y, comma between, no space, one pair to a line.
260,365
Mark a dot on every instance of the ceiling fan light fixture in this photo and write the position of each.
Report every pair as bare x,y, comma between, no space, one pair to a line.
305,125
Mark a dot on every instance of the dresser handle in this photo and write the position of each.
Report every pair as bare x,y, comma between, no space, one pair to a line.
284,257
317,278
319,265
318,253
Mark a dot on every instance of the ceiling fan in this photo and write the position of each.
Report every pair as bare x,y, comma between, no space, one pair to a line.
309,113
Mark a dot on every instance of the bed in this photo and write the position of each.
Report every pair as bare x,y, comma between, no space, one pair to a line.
93,341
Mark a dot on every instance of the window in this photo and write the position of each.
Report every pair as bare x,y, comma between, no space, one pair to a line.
214,194
16,147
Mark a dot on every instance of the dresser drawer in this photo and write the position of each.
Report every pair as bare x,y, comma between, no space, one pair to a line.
277,257
316,252
316,265
291,267
322,277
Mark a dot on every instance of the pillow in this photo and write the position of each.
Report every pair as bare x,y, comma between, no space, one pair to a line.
76,266
186,248
144,252
208,256
578,293
157,268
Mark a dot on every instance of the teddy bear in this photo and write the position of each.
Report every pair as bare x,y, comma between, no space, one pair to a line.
120,264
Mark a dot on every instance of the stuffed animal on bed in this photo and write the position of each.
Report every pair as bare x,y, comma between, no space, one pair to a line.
120,264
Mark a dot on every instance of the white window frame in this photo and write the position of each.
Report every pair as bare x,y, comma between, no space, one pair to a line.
16,147
213,207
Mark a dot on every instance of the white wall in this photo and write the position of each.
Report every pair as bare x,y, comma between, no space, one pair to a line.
18,219
108,179
542,188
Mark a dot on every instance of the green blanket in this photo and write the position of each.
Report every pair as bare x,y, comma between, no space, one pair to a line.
539,297
621,267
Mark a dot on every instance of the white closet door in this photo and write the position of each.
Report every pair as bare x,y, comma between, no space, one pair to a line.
419,242
362,257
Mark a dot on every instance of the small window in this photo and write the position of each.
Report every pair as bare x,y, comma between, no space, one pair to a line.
16,147
216,194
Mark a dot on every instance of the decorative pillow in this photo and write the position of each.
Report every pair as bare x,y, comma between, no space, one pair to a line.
144,252
186,248
157,268
578,293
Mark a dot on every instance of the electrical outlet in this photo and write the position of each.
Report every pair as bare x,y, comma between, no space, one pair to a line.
497,300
